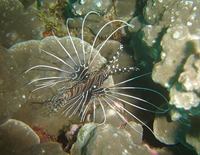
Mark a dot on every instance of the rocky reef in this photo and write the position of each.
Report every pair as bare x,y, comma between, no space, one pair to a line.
18,22
162,40
177,69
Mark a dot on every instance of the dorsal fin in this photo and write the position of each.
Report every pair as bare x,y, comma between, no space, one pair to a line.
114,68
115,57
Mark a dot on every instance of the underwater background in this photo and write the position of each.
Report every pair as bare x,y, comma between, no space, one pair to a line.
161,38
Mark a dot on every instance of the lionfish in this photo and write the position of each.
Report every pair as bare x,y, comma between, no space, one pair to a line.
88,89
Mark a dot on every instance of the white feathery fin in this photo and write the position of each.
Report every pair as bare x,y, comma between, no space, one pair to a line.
64,49
115,94
131,79
48,67
94,111
110,22
48,84
132,115
69,104
83,115
82,35
104,112
46,78
81,102
115,69
67,23
116,55
106,99
57,58
78,106
144,89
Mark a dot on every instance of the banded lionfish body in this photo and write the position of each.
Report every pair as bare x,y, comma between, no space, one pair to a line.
88,88
91,84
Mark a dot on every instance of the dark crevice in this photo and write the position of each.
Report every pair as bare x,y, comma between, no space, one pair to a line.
189,49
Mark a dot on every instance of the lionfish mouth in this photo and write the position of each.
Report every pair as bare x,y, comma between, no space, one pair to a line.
87,89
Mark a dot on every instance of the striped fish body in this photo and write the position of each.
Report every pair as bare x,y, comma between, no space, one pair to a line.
92,86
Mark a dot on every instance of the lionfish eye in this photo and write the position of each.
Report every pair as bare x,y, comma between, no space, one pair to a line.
76,68
74,75
82,63
106,89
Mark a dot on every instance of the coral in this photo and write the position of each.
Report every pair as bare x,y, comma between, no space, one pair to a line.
51,14
177,46
93,139
164,35
24,55
14,30
84,6
16,136
14,93
173,30
174,132
49,148
179,70
161,15
193,136
127,13
27,3
109,10
150,34
176,37
135,21
172,12
168,132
